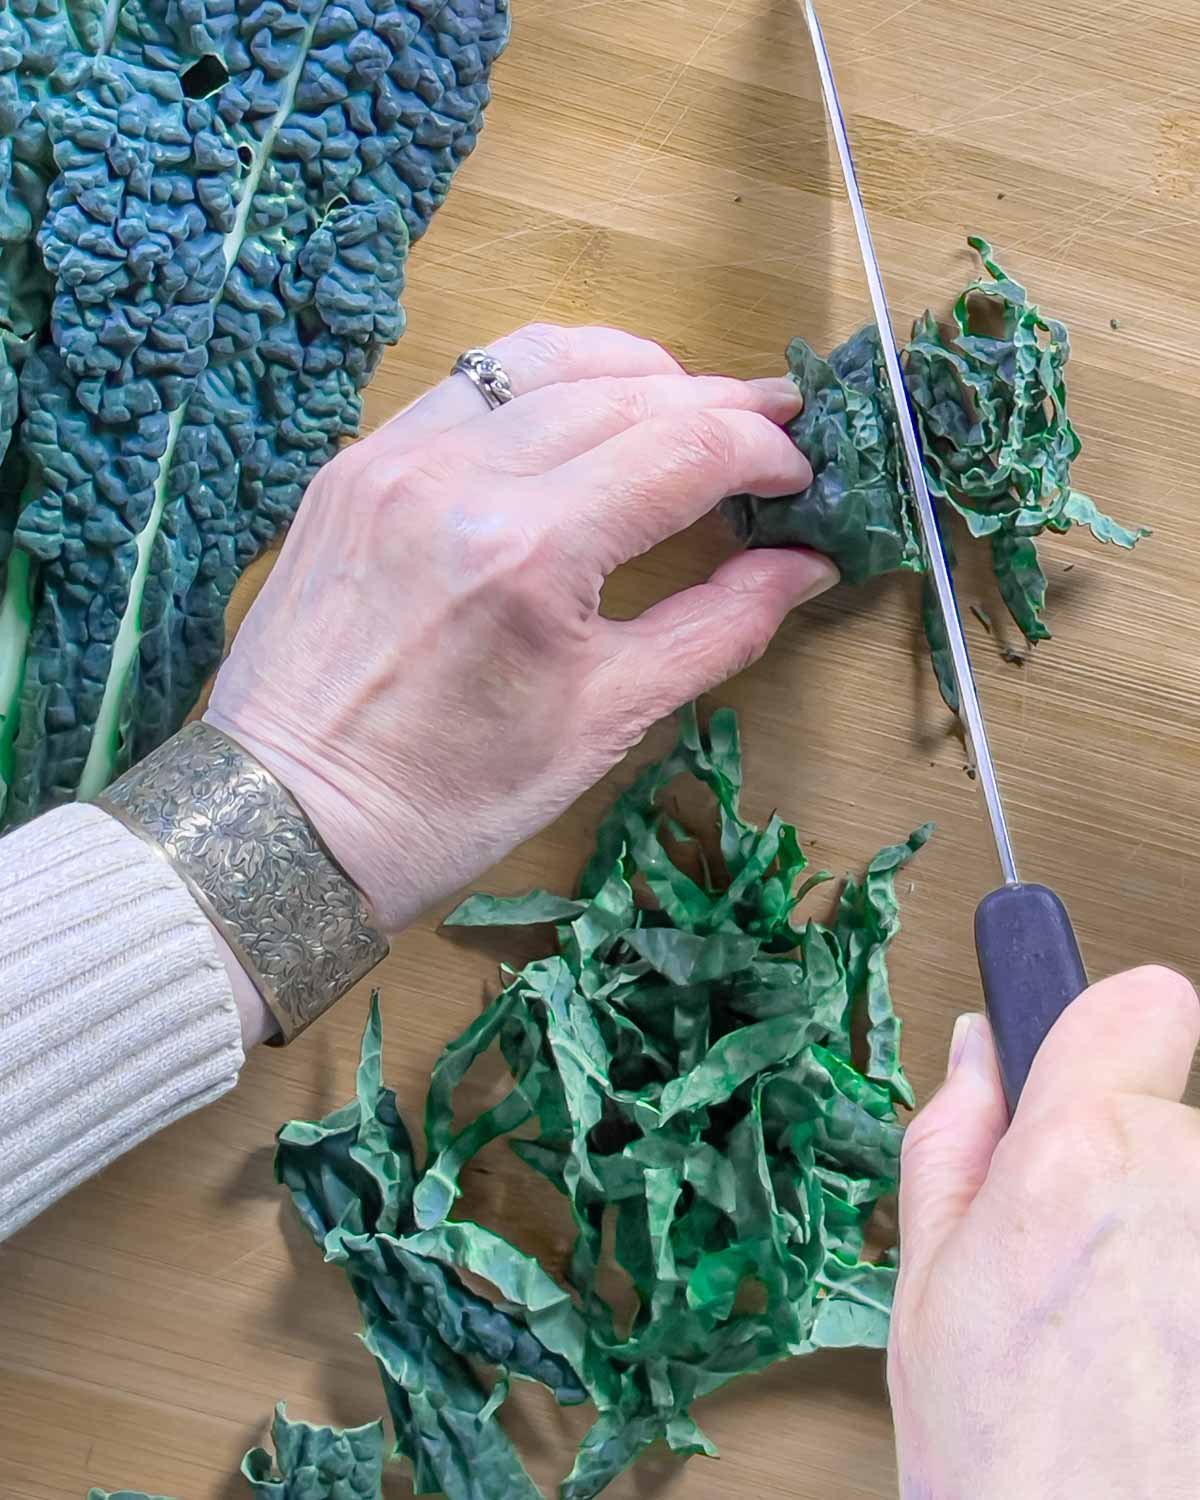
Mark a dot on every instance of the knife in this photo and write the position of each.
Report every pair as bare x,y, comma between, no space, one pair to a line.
1029,959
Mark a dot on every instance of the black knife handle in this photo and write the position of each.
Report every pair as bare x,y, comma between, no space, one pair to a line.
1031,970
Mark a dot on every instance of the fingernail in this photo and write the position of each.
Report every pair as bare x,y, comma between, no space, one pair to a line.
816,574
962,1038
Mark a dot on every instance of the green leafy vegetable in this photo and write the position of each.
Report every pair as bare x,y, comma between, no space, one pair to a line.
95,1494
317,1463
690,1071
990,399
205,215
310,1463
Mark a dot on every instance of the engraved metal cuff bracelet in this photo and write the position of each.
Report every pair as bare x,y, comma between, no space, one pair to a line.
295,922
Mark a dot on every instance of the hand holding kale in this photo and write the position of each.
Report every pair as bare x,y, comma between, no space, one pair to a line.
436,683
990,400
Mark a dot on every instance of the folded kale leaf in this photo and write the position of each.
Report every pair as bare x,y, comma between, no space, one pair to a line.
990,399
692,1069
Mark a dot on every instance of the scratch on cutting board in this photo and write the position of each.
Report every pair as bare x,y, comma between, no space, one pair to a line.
708,36
1087,225
554,7
624,196
1164,225
1038,106
1013,88
879,25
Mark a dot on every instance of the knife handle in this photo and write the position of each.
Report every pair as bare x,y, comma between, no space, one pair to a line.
1031,970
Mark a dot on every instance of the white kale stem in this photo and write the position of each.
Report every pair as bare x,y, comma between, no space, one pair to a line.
103,755
20,576
16,615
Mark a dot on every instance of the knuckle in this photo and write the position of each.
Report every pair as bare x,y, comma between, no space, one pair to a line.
652,356
628,401
546,344
407,477
500,559
363,474
342,468
630,727
708,440
1075,1148
754,624
753,645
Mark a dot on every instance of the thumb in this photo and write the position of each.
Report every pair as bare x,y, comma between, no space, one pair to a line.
1135,1033
697,639
948,1147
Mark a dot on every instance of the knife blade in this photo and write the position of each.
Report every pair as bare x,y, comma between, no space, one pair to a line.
1029,958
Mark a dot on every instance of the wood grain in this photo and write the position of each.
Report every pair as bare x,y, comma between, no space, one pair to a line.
662,165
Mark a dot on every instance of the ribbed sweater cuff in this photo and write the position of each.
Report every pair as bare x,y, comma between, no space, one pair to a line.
116,1013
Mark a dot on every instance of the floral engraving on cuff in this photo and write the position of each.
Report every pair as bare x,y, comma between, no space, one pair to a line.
241,840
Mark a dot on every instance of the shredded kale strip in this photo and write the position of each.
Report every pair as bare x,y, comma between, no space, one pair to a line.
990,399
693,1066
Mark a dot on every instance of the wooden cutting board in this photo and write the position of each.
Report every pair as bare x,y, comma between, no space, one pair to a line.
662,165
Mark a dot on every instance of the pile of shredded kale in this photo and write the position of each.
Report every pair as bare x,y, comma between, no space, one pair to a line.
206,208
696,1071
715,1082
990,399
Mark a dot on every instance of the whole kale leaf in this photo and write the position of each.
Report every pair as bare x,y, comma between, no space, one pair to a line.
693,1070
205,211
990,399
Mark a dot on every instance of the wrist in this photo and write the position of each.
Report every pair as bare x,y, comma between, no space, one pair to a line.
351,829
258,1024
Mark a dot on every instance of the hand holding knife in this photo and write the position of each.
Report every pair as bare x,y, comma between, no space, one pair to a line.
1028,956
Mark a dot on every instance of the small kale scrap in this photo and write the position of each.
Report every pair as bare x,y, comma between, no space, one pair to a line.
990,400
713,1083
317,1463
310,1463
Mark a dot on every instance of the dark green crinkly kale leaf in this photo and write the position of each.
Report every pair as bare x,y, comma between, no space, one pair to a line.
317,1463
309,1463
216,200
34,39
96,1494
687,1063
990,398
855,510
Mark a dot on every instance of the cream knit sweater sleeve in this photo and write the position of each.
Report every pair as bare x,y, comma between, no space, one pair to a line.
116,1013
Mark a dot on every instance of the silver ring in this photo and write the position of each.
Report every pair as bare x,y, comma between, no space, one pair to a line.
487,375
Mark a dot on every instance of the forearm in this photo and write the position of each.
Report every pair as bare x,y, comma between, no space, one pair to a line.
117,1013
